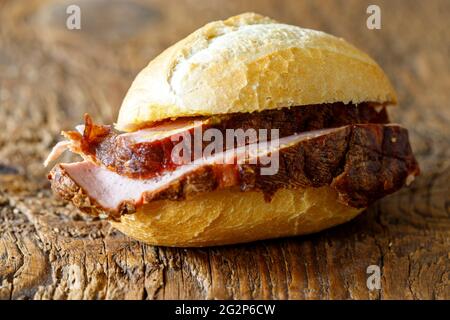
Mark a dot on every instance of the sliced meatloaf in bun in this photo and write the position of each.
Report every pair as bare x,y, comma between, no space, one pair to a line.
247,129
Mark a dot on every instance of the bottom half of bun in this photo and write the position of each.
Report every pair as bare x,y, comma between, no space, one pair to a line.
229,216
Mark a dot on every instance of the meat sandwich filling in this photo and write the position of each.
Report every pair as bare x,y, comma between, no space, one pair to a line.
351,148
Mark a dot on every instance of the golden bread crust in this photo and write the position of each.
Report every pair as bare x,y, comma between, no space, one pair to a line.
230,216
250,63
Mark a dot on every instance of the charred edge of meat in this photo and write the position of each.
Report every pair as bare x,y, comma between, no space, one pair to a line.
373,112
378,162
63,185
204,179
363,163
146,160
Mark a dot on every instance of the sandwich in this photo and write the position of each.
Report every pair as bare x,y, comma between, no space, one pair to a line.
247,129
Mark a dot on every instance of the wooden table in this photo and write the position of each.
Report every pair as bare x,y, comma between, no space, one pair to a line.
50,76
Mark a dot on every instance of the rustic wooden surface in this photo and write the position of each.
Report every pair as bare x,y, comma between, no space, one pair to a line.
50,76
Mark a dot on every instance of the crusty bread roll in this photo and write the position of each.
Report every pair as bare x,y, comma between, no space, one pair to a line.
248,63
230,216
251,63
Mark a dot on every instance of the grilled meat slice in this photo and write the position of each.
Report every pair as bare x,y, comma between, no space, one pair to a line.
147,152
361,162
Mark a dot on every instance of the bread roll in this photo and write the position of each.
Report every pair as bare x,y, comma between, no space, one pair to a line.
231,216
250,63
247,63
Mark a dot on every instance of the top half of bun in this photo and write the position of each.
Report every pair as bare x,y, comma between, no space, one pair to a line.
251,63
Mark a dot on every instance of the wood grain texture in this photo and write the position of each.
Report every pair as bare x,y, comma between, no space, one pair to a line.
50,76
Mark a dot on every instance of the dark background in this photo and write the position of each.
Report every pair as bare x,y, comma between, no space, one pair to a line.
50,76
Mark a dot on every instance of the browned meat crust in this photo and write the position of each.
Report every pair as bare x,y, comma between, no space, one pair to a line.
362,163
147,159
